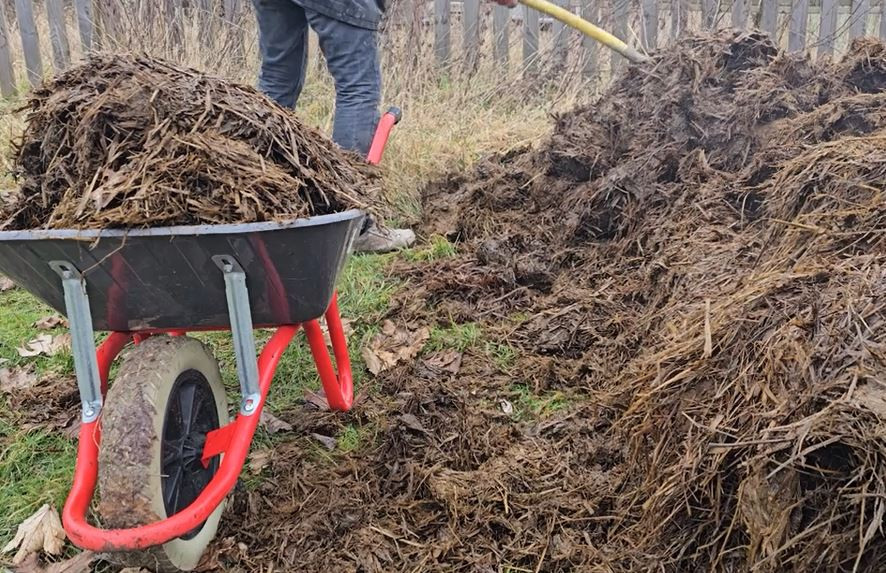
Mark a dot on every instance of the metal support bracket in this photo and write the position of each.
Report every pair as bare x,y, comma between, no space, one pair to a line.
82,339
241,329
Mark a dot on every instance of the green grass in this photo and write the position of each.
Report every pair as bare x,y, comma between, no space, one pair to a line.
351,438
502,355
469,336
35,468
437,248
459,337
530,406
18,312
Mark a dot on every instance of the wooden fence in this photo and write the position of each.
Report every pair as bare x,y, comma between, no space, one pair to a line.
815,26
85,24
516,39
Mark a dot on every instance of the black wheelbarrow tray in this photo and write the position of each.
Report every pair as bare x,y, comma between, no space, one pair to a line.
158,442
166,410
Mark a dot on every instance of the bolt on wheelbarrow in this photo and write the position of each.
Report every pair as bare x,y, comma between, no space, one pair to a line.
159,443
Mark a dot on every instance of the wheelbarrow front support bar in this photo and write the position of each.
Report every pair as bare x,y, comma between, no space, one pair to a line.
232,440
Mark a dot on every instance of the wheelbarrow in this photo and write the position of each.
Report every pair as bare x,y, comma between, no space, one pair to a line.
159,442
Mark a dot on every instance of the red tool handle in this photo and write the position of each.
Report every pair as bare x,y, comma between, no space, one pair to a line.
382,133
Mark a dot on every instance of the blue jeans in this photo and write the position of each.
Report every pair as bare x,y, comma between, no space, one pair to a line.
351,56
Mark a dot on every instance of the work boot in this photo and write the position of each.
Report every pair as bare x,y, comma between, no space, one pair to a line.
382,240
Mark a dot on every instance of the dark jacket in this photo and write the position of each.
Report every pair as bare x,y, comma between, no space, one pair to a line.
361,13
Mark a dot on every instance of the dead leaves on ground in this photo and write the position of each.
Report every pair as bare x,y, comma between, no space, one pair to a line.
79,563
6,284
45,345
445,362
347,326
50,322
258,460
17,379
49,402
272,424
41,532
317,399
328,442
393,345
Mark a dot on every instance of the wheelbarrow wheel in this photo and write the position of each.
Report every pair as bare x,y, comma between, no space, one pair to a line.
167,396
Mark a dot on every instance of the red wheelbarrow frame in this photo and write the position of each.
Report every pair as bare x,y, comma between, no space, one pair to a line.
233,440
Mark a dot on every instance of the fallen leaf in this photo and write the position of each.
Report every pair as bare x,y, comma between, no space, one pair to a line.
346,326
395,344
272,424
43,530
328,442
6,284
446,361
360,397
46,344
134,570
411,422
318,399
40,345
61,343
50,322
77,564
30,565
13,379
72,432
506,407
258,460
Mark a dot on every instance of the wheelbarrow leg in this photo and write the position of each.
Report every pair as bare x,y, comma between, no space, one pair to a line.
89,382
339,387
241,330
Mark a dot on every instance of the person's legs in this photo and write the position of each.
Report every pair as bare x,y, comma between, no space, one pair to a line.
283,32
352,59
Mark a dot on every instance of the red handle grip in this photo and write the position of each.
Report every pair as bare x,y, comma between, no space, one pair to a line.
382,133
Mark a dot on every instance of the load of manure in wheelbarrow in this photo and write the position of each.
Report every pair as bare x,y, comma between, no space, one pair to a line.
679,353
125,141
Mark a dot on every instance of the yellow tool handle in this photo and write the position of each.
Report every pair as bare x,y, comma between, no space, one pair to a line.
586,28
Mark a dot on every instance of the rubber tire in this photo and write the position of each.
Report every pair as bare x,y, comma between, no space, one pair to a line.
129,476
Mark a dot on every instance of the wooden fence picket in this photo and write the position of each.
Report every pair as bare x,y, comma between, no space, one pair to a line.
531,30
24,11
442,37
58,34
858,19
7,75
85,23
471,31
500,23
590,11
827,27
650,24
798,21
769,16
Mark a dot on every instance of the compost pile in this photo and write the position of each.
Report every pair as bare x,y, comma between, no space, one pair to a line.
126,141
702,252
